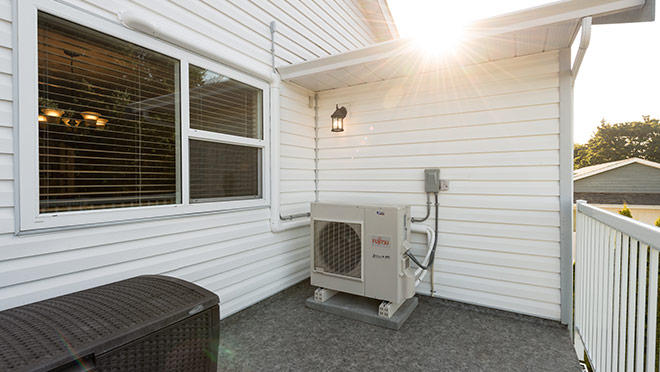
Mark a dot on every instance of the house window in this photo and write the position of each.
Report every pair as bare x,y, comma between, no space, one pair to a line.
222,105
109,124
131,127
226,110
219,170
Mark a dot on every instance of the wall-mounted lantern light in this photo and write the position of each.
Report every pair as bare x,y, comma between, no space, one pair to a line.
338,119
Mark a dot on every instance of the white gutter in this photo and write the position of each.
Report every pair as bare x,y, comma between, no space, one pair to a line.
276,219
584,44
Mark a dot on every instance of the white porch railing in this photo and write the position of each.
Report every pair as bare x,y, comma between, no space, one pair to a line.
616,290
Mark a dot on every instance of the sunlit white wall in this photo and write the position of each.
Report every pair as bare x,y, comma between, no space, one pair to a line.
620,76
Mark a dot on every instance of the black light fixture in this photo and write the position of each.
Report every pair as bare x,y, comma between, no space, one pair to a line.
338,119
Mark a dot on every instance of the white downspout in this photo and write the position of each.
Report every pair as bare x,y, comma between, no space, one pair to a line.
584,44
276,219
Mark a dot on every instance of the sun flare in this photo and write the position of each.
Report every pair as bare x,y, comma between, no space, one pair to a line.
439,39
429,23
439,26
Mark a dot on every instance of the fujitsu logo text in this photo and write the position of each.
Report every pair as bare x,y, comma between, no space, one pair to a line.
379,241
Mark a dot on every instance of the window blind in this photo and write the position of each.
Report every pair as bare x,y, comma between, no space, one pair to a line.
221,171
222,105
127,156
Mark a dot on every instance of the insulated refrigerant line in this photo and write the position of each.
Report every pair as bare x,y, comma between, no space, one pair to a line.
431,253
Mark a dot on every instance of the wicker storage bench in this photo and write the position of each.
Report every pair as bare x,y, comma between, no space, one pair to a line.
147,323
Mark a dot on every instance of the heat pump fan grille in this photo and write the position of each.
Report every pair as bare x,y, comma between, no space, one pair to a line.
338,248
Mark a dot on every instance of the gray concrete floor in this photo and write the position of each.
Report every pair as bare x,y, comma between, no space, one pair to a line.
281,334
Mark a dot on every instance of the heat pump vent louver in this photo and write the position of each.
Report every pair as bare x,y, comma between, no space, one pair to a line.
338,248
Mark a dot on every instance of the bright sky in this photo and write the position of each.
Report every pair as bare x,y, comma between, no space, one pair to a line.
620,76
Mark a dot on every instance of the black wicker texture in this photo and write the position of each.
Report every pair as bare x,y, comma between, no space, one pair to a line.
49,333
181,347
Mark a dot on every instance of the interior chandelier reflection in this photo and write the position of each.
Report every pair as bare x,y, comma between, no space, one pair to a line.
89,119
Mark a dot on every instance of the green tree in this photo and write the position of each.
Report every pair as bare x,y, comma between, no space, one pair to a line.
580,154
626,211
612,142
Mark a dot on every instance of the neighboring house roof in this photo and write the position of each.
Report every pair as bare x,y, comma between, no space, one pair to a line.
618,198
600,168
544,28
635,181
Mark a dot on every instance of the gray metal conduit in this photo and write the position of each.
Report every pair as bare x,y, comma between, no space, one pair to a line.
428,210
294,216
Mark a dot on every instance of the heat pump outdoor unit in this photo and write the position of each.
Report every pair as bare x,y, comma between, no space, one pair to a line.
361,250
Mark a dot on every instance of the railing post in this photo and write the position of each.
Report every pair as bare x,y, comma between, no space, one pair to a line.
578,304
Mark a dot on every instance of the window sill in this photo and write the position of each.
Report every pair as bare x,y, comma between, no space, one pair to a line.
111,217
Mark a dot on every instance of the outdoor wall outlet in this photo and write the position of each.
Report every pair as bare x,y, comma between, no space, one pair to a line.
432,180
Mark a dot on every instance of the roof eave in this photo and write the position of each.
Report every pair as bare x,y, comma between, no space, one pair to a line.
553,13
557,12
354,57
389,20
563,13
377,15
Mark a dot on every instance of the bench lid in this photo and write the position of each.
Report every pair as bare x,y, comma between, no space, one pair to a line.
54,332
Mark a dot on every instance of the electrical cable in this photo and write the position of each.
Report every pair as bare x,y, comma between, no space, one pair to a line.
435,242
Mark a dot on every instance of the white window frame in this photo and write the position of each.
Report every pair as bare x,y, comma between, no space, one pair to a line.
28,140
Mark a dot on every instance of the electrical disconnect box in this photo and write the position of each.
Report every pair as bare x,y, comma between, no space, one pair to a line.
432,181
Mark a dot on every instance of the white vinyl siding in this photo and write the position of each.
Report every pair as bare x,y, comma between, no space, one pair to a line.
493,130
297,145
6,120
233,254
241,27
